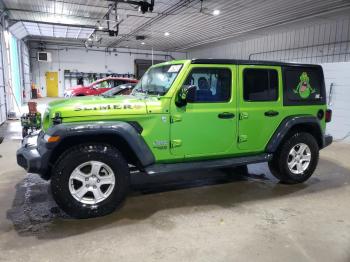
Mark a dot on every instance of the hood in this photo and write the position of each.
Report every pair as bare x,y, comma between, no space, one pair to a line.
97,106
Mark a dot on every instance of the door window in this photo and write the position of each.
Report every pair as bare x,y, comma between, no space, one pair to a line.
260,85
212,84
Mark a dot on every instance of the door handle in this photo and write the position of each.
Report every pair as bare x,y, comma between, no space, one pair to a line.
271,113
226,115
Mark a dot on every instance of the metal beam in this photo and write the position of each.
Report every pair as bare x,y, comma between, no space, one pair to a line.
39,29
58,24
90,5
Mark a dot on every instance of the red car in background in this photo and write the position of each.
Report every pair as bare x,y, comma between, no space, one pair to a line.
98,87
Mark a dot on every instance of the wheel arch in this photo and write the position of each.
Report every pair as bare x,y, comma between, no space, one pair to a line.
124,136
290,125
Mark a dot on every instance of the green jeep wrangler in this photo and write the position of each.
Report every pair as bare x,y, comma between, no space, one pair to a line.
182,115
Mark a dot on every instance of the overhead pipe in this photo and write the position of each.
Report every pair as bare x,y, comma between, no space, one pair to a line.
117,52
296,48
168,11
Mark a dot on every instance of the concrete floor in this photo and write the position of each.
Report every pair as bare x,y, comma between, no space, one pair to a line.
203,216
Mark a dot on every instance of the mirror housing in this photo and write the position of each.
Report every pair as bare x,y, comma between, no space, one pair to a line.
186,95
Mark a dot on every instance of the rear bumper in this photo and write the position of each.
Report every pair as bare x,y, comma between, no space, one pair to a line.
31,158
328,139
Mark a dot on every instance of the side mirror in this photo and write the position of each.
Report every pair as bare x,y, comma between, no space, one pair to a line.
186,95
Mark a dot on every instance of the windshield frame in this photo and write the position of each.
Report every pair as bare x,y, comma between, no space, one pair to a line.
136,90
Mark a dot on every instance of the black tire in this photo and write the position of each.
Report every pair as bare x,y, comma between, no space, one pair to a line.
279,163
74,157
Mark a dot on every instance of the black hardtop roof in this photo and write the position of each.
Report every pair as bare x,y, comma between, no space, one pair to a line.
249,62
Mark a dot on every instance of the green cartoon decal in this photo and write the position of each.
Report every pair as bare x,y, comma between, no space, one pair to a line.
304,88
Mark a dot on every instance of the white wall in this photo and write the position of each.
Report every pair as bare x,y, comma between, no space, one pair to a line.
339,75
83,60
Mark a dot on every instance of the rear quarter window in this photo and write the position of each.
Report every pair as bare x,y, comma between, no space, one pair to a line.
304,86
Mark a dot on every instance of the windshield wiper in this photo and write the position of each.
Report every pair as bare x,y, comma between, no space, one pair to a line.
156,93
105,95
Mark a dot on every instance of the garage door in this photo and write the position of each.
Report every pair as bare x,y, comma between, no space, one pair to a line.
338,74
26,71
2,91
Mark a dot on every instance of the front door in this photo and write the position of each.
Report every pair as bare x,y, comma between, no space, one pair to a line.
260,105
52,84
206,127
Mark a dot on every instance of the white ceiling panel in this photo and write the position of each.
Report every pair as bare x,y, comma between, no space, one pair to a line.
189,23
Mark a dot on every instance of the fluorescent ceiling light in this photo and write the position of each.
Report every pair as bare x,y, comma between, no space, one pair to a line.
166,33
216,12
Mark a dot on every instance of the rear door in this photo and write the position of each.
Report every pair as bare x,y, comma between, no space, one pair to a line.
260,105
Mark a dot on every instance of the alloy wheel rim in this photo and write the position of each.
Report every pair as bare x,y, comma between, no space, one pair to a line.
299,158
91,182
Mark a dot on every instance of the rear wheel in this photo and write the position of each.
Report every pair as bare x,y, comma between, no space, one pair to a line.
296,159
90,180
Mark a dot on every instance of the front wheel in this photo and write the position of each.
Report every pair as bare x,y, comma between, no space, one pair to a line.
90,180
296,159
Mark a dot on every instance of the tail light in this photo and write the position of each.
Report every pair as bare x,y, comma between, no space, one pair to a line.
328,115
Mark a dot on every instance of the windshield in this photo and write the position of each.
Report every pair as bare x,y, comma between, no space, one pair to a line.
158,80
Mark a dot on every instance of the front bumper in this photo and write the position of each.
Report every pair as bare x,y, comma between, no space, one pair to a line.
31,158
328,139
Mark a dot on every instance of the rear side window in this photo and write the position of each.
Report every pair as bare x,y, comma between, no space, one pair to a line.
303,85
260,85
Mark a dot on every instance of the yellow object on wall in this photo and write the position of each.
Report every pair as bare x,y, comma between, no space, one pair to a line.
52,84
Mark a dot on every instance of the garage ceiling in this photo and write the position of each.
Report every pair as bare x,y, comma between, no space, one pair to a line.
189,23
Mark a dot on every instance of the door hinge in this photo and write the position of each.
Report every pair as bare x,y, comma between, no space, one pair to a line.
243,115
242,138
175,118
176,143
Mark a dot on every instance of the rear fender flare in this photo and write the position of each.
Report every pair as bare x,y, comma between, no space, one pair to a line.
291,122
